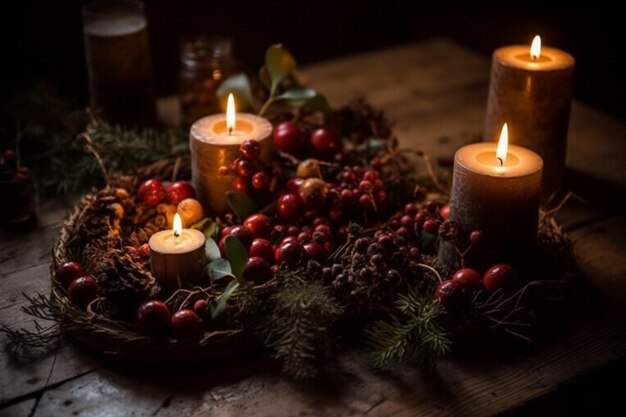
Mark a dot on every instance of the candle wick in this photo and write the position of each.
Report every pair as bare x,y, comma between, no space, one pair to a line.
230,131
501,161
176,233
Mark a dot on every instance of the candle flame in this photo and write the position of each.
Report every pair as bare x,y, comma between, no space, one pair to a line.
178,225
230,113
503,144
535,47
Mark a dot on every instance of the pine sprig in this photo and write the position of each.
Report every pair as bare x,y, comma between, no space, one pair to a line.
411,335
298,329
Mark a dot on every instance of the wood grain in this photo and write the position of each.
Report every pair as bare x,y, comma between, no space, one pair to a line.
436,92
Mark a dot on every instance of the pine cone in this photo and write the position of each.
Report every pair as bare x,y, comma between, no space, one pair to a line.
127,277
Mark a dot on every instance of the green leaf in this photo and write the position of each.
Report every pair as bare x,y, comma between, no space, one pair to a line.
302,94
211,250
239,85
237,256
264,77
219,269
317,103
218,305
280,64
206,226
241,203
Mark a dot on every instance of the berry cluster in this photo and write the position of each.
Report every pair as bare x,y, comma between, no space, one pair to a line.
251,174
374,268
81,287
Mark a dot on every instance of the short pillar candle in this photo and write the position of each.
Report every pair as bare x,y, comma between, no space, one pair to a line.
177,256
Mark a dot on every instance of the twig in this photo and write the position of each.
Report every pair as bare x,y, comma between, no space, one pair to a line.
90,147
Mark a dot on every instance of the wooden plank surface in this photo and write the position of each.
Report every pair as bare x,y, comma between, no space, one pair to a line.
436,92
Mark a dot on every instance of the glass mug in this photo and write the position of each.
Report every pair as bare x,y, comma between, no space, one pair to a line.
119,68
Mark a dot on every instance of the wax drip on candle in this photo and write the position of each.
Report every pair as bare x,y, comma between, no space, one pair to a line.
230,114
503,144
535,48
177,225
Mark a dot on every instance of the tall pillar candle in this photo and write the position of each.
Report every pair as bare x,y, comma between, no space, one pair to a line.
497,191
532,92
214,142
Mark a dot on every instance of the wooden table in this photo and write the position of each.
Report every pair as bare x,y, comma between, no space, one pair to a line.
436,92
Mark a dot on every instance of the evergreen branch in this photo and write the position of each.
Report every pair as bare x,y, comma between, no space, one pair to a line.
411,335
298,328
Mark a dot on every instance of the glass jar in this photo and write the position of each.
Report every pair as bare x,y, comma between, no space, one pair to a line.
205,61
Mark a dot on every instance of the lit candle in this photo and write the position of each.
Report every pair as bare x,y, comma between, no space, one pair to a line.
177,256
496,188
531,89
214,142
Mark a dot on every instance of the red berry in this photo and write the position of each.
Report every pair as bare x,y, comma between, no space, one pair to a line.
68,272
380,196
239,185
201,307
289,252
257,270
153,317
346,196
420,218
406,221
499,276
468,278
410,209
186,323
314,251
288,138
293,185
414,253
223,170
451,294
293,231
260,181
244,234
477,237
365,187
324,142
431,226
242,167
404,232
151,192
226,231
259,224
365,201
262,248
304,237
288,239
370,175
289,206
431,206
250,149
179,191
83,290
444,211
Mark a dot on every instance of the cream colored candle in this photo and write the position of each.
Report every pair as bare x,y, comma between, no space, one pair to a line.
531,90
177,256
214,142
496,190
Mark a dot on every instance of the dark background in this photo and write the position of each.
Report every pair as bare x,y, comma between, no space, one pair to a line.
43,42
44,39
